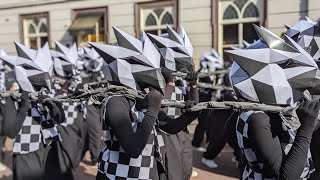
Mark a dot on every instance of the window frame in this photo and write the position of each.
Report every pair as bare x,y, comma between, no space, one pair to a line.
158,4
217,24
22,17
103,9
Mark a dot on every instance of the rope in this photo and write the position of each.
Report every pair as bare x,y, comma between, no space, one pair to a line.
202,74
96,94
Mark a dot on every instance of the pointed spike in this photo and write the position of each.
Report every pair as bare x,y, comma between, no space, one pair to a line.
24,52
287,26
174,36
272,40
127,41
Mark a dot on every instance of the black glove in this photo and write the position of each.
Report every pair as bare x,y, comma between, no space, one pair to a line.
154,98
55,108
77,91
167,75
24,104
191,75
308,114
189,104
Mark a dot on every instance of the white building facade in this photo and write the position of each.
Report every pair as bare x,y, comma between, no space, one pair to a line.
209,23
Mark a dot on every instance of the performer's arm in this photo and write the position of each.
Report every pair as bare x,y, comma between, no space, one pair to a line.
118,115
268,147
13,119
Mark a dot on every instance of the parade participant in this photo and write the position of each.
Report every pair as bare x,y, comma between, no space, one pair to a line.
65,62
92,63
135,147
176,50
36,146
209,62
306,34
275,145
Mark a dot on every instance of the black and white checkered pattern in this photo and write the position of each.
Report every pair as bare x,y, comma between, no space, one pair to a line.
32,133
115,163
2,80
71,110
177,94
254,166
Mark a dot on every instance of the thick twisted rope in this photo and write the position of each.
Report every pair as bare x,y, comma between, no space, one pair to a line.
202,74
87,92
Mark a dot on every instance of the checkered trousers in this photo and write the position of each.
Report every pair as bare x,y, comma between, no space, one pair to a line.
32,133
254,166
116,164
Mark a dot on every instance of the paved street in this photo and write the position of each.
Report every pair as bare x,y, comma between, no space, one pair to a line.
226,170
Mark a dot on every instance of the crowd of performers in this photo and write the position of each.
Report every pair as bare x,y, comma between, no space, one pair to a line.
137,138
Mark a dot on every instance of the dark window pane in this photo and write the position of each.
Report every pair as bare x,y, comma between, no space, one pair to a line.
230,34
249,34
167,19
163,31
43,28
155,32
251,11
150,21
240,3
31,29
230,13
33,43
43,40
158,12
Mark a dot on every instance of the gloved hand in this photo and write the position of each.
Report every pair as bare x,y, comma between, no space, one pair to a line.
191,75
308,114
55,109
189,104
24,104
77,91
154,98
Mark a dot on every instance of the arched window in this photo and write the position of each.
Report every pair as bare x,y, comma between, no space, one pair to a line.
155,20
35,30
235,22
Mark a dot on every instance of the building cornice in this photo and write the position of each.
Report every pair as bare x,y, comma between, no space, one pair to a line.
33,3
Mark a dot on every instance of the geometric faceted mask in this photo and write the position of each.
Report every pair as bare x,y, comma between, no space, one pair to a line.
33,68
132,63
176,50
272,70
65,59
306,34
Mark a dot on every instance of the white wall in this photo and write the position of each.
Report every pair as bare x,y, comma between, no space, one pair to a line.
288,12
195,16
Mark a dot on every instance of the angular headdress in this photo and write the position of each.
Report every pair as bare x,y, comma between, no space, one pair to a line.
210,61
176,50
272,71
307,34
65,59
133,63
33,68
91,59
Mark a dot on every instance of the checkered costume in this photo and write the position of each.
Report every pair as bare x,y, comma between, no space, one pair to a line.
71,110
115,164
32,133
178,94
253,169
